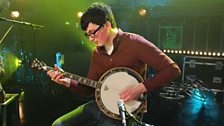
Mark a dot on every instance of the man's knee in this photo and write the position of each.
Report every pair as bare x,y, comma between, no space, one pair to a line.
58,123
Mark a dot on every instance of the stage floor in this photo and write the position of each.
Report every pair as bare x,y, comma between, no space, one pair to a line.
40,106
189,111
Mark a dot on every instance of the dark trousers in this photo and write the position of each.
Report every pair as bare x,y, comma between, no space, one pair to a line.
88,115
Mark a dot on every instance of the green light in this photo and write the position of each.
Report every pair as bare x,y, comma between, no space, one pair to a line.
67,23
17,62
82,42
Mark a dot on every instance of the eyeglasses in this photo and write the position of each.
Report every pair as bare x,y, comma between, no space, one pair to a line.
93,34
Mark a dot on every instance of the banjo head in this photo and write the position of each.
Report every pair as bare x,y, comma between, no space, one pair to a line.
111,84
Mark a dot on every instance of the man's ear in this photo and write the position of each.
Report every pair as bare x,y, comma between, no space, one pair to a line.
108,24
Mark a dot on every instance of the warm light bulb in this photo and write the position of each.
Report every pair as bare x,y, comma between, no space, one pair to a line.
15,14
142,12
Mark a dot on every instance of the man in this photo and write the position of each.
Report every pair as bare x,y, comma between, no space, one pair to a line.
115,48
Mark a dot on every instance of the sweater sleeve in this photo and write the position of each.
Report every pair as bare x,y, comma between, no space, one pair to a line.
167,69
162,77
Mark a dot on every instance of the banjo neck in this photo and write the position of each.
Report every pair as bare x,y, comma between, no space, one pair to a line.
106,92
80,79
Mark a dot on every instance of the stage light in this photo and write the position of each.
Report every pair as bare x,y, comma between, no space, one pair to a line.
79,14
142,11
18,62
15,14
59,59
82,42
194,52
67,23
209,53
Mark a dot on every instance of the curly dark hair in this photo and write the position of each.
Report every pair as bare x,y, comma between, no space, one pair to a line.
98,13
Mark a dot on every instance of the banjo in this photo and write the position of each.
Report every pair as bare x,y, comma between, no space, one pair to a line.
107,89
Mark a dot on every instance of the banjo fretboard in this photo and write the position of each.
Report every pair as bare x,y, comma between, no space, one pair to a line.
78,78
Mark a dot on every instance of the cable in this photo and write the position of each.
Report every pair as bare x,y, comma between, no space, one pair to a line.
135,119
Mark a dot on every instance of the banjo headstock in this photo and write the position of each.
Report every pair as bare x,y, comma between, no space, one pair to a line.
36,64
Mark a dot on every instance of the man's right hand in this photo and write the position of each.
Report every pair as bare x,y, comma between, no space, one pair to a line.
58,77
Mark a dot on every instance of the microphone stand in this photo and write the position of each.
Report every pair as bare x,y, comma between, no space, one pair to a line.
35,26
21,22
3,37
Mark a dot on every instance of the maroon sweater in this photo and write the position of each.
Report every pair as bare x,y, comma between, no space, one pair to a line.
135,52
